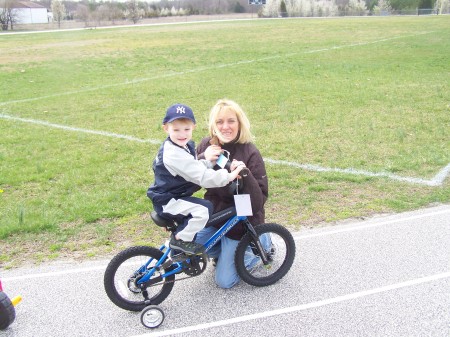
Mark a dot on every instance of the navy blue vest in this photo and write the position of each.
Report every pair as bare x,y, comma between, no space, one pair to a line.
166,186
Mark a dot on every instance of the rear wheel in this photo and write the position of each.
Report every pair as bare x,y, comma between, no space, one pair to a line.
279,246
126,268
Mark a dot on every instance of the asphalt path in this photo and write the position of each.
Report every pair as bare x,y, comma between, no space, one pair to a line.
385,276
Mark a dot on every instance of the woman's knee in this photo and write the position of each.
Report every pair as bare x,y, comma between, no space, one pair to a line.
226,275
226,282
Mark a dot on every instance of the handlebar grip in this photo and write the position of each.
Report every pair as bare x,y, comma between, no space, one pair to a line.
244,172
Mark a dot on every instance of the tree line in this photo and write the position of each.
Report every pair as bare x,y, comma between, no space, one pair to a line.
96,13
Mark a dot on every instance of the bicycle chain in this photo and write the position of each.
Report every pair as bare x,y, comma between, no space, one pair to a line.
180,279
165,282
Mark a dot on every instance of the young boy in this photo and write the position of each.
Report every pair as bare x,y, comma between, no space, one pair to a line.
178,175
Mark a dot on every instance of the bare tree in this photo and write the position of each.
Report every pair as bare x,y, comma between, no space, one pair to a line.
442,6
102,13
382,8
9,16
115,13
83,13
59,11
14,17
134,13
108,12
4,18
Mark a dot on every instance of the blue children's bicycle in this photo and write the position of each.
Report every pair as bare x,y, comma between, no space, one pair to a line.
141,277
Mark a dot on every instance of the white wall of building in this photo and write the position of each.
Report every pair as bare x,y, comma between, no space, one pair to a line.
32,15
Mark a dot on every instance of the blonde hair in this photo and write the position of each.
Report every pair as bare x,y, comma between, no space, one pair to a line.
244,134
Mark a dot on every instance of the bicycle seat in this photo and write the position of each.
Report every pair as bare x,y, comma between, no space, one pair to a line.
162,222
217,218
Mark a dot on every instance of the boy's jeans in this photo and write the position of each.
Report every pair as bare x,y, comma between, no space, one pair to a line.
226,274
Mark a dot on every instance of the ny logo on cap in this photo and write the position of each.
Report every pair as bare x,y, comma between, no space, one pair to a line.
180,110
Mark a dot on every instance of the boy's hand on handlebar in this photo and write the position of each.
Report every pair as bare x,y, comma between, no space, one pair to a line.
236,167
236,164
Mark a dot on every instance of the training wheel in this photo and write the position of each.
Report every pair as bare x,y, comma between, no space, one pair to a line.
152,316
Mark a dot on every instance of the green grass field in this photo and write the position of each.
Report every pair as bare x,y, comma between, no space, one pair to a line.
368,94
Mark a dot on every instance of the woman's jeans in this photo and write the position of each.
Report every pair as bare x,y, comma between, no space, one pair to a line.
226,274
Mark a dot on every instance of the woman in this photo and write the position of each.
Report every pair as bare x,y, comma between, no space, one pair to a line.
229,130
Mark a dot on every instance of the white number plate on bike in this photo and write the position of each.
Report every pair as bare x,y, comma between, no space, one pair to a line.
243,205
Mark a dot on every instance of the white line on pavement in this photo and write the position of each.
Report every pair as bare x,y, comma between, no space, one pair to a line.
301,307
51,274
358,227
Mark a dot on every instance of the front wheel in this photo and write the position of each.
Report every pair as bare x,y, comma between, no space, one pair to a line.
126,268
279,246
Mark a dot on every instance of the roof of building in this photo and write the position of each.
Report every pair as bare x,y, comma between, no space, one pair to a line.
26,4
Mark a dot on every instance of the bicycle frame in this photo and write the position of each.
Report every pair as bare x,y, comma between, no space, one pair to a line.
224,229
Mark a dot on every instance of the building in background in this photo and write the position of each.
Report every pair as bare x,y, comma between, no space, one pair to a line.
30,12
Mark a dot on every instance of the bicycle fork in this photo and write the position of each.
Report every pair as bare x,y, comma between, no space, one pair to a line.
259,248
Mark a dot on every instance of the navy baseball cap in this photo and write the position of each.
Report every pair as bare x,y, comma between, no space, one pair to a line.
178,111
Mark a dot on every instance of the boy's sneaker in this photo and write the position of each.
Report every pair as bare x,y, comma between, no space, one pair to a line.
187,247
178,255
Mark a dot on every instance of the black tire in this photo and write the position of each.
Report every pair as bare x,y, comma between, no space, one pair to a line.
121,271
281,255
7,311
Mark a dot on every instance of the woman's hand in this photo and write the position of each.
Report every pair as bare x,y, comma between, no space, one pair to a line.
212,152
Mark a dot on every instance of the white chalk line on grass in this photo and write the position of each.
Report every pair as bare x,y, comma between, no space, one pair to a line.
437,180
202,69
74,129
301,307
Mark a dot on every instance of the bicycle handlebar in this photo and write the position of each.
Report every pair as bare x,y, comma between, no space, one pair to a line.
244,172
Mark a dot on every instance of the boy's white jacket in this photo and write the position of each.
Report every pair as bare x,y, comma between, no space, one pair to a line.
178,173
179,161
